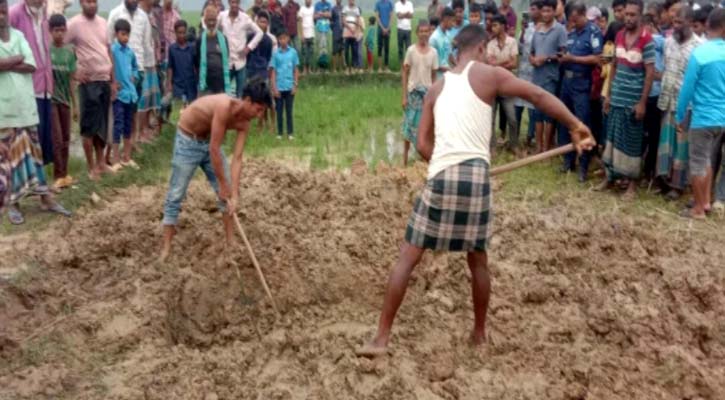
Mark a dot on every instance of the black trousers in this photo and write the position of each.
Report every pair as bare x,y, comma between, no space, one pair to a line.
652,124
384,46
285,103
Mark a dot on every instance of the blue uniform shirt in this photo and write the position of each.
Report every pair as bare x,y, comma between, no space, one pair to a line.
284,63
125,70
659,41
584,42
385,9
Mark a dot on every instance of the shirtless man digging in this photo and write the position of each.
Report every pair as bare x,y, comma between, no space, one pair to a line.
453,212
199,137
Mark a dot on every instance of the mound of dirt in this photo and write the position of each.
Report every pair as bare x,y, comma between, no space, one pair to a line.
585,305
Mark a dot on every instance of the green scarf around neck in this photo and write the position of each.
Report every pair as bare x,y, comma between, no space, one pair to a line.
225,61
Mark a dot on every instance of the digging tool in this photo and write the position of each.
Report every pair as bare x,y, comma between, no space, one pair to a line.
254,261
559,151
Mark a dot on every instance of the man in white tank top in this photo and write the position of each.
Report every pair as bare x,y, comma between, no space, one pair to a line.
453,212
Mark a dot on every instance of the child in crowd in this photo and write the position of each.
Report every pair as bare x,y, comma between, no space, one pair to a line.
370,42
284,76
125,70
181,73
259,58
418,74
307,16
63,59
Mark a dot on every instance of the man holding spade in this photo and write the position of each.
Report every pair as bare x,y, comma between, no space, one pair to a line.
453,212
199,137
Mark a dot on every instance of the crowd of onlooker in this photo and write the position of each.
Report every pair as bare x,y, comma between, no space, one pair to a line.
649,81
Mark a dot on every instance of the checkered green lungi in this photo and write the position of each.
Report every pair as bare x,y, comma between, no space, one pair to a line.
453,212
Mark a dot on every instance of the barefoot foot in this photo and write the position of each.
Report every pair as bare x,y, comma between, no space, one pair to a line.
372,349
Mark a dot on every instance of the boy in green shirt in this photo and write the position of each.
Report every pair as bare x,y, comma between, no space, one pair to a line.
63,59
370,42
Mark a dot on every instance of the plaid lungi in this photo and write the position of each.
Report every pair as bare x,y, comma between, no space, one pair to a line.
453,212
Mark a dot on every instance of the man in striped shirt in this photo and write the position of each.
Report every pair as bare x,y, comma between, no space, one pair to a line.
632,73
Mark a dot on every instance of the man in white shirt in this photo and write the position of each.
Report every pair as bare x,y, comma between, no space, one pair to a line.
307,16
404,11
236,26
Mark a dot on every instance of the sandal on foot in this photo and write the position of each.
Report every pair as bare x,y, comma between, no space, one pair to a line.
57,209
15,216
687,213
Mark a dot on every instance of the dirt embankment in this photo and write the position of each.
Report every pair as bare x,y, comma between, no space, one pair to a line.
584,305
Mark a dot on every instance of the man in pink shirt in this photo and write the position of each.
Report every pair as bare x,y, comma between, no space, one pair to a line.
88,33
29,18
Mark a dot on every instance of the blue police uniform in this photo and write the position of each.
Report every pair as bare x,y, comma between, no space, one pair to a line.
576,86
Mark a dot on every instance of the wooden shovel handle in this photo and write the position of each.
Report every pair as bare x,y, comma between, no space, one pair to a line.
532,159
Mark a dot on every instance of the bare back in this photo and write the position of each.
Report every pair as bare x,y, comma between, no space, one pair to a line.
197,118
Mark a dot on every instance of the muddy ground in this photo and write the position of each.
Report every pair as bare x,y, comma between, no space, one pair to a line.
585,305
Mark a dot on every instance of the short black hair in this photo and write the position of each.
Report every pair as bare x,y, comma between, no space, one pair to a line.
499,19
422,23
178,24
618,3
548,3
708,8
258,92
669,3
434,22
263,14
535,3
448,13
56,21
638,3
650,20
700,16
491,9
605,12
578,7
283,32
372,21
122,25
716,20
458,4
475,8
470,36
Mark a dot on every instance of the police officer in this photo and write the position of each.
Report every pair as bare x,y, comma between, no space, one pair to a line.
584,47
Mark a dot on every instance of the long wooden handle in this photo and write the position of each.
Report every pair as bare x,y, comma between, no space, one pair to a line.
256,264
535,158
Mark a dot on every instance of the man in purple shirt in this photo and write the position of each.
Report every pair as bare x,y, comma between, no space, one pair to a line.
507,11
29,18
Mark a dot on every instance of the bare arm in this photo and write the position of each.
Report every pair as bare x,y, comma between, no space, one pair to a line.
23,68
426,133
218,131
237,165
8,63
404,83
273,81
510,86
258,35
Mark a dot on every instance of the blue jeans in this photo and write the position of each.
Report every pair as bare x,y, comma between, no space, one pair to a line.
122,120
189,154
532,124
239,76
285,104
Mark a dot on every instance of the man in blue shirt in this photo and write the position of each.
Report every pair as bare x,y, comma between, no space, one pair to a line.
584,46
284,77
702,89
441,40
337,40
384,15
323,14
